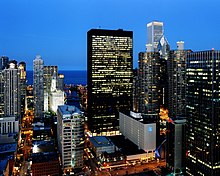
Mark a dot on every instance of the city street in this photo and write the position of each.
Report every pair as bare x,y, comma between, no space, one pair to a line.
24,143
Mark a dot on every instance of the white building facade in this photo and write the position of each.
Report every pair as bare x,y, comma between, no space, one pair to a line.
141,134
56,97
8,125
70,136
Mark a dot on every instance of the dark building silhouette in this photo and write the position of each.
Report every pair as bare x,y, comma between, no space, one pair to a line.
203,113
110,78
3,62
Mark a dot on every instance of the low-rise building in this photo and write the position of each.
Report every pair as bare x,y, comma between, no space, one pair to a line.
44,159
101,144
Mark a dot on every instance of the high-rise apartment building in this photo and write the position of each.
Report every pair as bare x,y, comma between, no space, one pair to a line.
60,82
12,99
148,88
110,78
148,78
4,62
48,75
177,82
49,71
38,87
23,85
203,113
70,137
176,65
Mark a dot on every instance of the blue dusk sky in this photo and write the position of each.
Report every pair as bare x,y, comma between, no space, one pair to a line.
57,29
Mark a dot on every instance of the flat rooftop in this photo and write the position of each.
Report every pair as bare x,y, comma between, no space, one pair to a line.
101,141
69,110
8,148
145,119
43,146
44,157
125,145
44,151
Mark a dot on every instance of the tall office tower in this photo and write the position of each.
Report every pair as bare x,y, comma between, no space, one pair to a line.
154,34
22,68
110,78
60,82
12,104
176,65
48,75
149,68
38,87
70,136
175,145
157,42
203,113
4,62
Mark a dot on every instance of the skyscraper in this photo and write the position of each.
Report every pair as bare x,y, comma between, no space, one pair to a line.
3,62
154,34
48,75
70,136
56,96
176,65
12,99
148,77
177,82
38,87
203,113
157,42
22,68
110,78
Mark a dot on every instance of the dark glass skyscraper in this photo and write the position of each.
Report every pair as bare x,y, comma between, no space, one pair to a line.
203,113
148,87
176,65
110,78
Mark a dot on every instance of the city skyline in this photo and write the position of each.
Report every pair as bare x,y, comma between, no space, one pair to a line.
57,30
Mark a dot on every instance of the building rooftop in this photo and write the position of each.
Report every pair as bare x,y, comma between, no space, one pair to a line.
44,151
126,146
43,146
145,119
3,164
101,141
69,110
44,157
7,148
